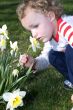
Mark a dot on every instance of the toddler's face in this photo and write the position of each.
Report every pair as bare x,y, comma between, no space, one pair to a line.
38,24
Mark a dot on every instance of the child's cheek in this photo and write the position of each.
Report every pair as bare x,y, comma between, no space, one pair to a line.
40,33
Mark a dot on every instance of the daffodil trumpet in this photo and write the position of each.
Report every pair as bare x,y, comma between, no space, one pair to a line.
34,43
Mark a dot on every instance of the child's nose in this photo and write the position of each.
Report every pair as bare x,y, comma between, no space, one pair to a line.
34,33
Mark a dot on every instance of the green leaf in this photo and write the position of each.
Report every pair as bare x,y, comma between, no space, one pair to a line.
2,86
1,97
16,82
2,102
29,70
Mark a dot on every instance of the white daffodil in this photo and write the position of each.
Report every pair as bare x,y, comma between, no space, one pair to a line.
15,72
72,98
2,44
11,52
14,46
72,108
14,99
34,43
4,32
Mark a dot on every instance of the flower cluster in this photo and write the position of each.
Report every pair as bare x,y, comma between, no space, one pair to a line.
10,80
3,37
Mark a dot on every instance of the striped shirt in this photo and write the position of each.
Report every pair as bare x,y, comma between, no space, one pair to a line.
65,31
63,37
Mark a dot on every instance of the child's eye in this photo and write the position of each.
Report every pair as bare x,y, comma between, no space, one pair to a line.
35,26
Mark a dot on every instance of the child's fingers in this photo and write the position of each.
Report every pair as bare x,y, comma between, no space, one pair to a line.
23,59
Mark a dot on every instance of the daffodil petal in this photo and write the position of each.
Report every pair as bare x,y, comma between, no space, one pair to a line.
6,36
7,96
21,104
2,37
15,43
8,106
4,27
11,52
30,39
72,108
33,48
22,93
15,72
12,109
14,46
0,30
11,44
16,91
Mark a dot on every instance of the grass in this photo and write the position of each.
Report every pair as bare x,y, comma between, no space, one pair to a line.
45,90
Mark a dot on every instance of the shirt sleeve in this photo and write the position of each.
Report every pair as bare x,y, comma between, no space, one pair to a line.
66,30
42,61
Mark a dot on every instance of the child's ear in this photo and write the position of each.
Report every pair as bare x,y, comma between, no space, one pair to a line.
51,15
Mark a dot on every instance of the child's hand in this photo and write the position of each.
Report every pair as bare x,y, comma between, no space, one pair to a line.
26,60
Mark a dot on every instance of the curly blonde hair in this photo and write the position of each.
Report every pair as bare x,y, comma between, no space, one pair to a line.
42,5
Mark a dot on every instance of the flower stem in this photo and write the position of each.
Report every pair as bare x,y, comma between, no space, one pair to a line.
28,49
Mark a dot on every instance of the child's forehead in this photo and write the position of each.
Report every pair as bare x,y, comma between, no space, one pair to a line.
33,16
32,12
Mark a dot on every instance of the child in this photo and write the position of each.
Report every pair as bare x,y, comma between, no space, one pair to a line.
45,20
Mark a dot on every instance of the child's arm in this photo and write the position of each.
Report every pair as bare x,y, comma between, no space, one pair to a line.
42,61
39,63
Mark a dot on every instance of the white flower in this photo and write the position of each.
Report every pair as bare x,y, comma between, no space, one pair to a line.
4,32
2,44
14,99
72,108
14,46
15,72
72,98
11,52
34,43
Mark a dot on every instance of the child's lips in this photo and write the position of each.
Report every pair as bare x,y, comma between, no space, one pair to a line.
40,38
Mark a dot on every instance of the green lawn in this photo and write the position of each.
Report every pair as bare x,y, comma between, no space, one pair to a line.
45,90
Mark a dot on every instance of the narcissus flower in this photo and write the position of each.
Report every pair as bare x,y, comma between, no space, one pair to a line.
14,45
15,72
2,44
4,32
14,48
34,43
14,99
